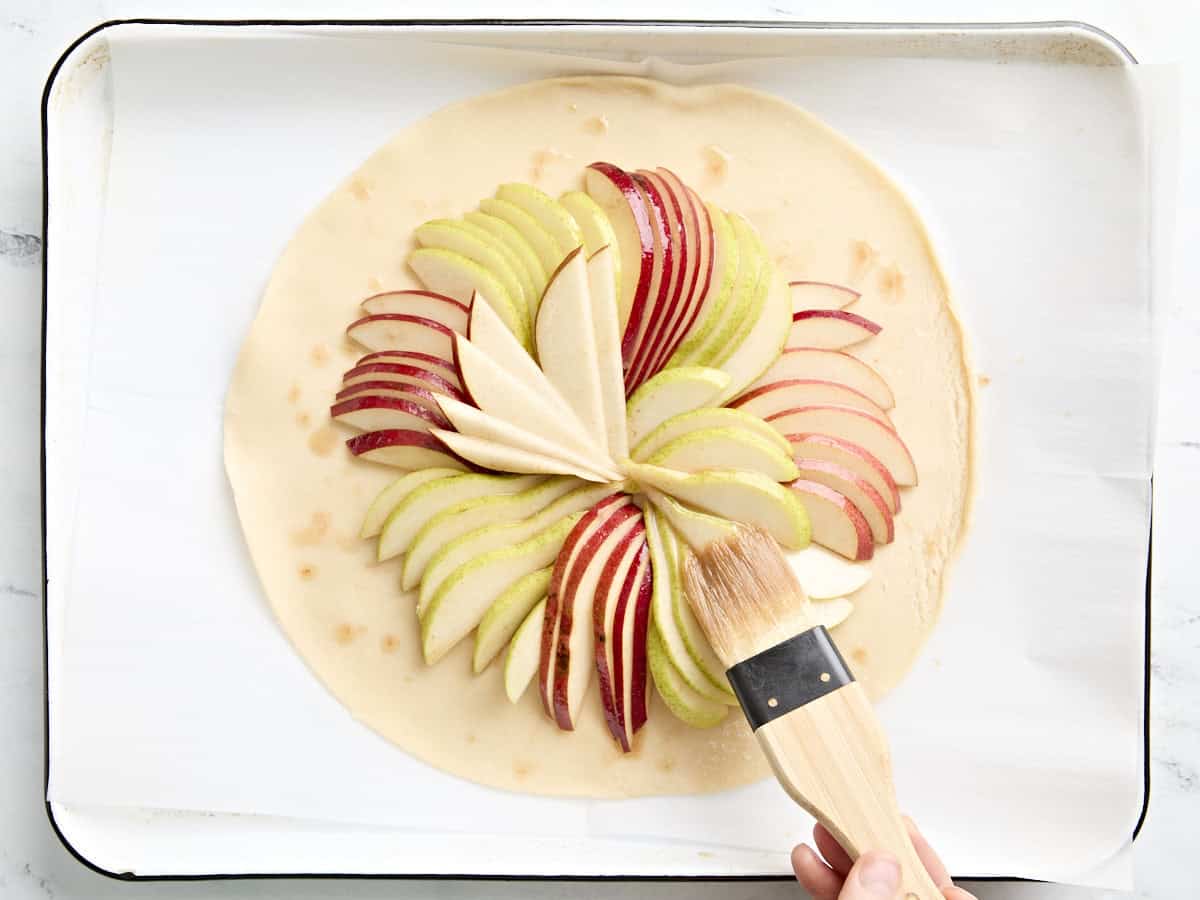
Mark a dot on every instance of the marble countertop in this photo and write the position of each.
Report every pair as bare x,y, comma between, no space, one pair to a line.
33,864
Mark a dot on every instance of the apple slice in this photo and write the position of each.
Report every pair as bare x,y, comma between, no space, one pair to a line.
602,289
791,393
829,329
874,435
820,295
463,598
446,234
425,304
746,497
829,365
405,449
836,522
825,575
516,244
687,705
374,413
537,238
725,267
670,393
405,332
505,458
443,366
612,633
398,375
456,276
615,192
505,616
392,495
391,390
703,420
482,540
521,661
547,212
726,448
463,518
566,344
697,529
426,501
854,458
597,230
858,490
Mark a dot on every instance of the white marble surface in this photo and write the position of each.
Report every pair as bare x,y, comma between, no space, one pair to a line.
32,35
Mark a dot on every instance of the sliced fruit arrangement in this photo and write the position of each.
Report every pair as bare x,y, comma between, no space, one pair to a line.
587,389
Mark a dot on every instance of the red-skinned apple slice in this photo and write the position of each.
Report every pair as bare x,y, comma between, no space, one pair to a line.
444,367
425,304
857,490
828,365
390,331
405,449
401,374
829,329
392,389
612,599
853,457
874,435
374,413
659,295
790,393
617,194
820,295
837,524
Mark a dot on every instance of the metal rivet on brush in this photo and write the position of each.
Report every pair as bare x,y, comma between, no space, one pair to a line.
825,676
772,703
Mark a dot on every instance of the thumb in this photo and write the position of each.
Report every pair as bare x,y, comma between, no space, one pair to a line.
876,876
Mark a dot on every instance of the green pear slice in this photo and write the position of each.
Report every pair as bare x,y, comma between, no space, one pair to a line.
477,512
825,575
607,329
697,529
505,616
741,297
686,704
758,298
720,290
670,393
392,495
517,245
745,497
544,246
492,537
530,281
597,230
763,344
505,458
547,211
452,274
446,234
726,448
524,654
464,597
704,420
407,518
662,614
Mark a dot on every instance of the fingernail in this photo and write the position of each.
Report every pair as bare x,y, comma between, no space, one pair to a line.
880,875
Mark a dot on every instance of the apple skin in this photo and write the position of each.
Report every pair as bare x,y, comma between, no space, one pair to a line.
450,312
829,329
641,629
853,457
353,410
658,298
830,514
858,490
423,448
430,335
394,389
608,634
876,435
400,374
767,399
828,365
820,295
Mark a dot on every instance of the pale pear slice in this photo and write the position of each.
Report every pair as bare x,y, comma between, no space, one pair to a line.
762,344
597,230
473,422
686,704
831,613
531,280
505,616
504,232
745,497
566,344
392,495
453,523
426,501
829,365
522,402
697,529
465,595
446,234
453,274
547,211
702,420
726,448
393,331
492,537
524,652
720,290
670,393
825,575
608,349
404,448
820,295
544,246
425,304
504,458
742,297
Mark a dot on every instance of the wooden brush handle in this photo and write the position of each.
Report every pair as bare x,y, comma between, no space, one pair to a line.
830,755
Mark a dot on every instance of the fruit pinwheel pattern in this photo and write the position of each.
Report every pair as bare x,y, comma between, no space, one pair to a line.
587,388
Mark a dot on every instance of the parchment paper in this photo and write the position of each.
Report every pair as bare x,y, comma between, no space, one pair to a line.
1017,739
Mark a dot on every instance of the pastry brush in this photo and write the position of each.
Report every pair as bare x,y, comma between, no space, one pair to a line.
812,719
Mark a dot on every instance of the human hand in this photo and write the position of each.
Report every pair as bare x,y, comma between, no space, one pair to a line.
875,876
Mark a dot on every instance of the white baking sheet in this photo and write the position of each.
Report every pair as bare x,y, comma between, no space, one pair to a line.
1017,740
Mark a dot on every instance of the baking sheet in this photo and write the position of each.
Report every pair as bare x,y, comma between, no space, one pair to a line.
175,689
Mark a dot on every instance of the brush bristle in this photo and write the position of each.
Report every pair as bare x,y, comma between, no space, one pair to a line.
744,594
